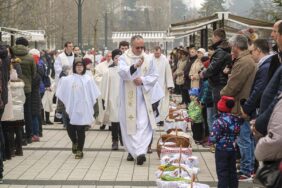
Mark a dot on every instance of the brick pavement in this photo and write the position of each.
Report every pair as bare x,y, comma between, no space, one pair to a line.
50,164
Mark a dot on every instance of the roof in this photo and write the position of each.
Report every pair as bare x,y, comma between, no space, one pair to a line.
149,36
31,35
186,27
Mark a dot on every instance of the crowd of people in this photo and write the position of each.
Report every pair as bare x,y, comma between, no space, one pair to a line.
234,98
231,90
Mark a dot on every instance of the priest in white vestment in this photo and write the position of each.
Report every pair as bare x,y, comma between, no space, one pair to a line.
138,76
165,80
100,70
66,58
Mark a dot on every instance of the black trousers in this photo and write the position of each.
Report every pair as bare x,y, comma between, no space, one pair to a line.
225,162
185,96
177,89
206,126
12,143
197,130
116,133
77,135
28,115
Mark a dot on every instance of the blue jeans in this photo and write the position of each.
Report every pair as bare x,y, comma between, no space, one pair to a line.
210,117
246,146
35,125
2,144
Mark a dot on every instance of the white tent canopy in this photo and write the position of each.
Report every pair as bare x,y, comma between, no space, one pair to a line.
31,35
149,36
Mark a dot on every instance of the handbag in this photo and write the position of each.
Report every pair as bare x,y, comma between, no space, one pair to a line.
269,175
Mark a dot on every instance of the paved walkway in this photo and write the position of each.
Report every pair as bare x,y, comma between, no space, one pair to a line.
50,164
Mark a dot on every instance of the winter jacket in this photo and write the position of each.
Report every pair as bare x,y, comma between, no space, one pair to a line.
187,80
27,64
194,71
258,87
45,80
219,60
35,96
241,79
4,76
268,148
195,112
17,101
225,130
274,65
179,73
205,96
269,99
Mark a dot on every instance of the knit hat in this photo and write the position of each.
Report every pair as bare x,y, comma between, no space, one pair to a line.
116,52
22,41
194,92
87,61
225,104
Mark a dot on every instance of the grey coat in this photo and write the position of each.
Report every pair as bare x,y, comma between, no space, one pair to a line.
269,147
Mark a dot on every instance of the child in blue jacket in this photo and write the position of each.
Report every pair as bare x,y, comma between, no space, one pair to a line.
225,130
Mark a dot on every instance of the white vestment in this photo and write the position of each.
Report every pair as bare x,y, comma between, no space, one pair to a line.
100,70
136,134
166,81
110,93
79,94
62,60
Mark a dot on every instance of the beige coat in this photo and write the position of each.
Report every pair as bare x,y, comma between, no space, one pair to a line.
194,71
241,79
269,147
179,73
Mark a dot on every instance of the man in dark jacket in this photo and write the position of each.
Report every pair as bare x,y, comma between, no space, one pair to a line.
28,73
219,60
4,77
274,64
272,91
260,54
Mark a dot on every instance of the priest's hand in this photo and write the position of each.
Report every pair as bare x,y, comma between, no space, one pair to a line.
139,63
138,81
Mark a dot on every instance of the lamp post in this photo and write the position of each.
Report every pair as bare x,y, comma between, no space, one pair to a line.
79,25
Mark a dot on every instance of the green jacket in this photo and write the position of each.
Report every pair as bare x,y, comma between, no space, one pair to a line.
27,65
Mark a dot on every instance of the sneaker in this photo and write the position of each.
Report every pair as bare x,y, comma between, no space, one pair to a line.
115,145
35,138
79,155
1,180
244,177
212,148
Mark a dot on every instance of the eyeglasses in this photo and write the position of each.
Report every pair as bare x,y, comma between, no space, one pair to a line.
139,47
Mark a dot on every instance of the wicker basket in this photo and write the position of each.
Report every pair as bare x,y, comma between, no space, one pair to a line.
179,141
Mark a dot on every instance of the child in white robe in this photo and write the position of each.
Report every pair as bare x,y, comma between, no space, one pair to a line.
78,92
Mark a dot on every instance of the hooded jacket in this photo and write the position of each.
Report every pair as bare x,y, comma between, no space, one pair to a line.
27,64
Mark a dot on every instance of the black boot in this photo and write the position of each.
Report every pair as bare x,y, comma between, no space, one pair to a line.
102,127
129,157
141,159
48,122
